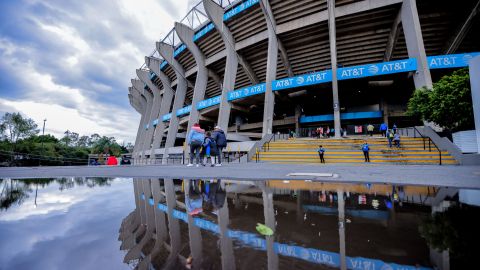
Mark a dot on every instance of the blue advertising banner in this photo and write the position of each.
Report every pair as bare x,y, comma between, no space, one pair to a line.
163,64
247,91
203,32
152,76
179,50
155,122
308,254
377,69
166,117
180,215
343,116
208,102
450,60
184,110
162,207
243,6
302,80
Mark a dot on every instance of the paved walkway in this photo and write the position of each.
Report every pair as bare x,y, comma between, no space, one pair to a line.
454,176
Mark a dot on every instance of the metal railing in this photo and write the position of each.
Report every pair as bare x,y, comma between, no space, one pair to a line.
266,146
408,131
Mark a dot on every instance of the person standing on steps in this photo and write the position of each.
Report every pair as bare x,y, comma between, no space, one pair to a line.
383,129
321,151
394,128
219,137
366,150
396,140
390,136
370,128
195,140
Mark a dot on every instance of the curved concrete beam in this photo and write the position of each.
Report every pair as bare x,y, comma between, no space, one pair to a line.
271,75
154,65
141,100
186,34
144,76
215,13
166,51
137,84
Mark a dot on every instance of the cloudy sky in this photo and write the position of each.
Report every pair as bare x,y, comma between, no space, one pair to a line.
71,61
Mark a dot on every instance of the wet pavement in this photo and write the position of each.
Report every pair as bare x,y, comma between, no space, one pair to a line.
434,175
105,223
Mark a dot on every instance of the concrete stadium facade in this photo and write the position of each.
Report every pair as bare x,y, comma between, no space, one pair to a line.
258,67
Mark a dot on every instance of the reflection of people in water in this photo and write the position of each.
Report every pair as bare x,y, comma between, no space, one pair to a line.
193,201
214,194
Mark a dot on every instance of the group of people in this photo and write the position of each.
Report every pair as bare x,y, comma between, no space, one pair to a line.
111,160
324,132
365,150
206,145
392,135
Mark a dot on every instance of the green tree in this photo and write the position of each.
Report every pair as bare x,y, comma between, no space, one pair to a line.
14,126
448,104
455,230
107,145
83,141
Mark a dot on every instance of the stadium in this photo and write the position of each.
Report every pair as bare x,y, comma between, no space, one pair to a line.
257,68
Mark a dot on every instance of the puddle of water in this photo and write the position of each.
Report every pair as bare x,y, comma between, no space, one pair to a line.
101,223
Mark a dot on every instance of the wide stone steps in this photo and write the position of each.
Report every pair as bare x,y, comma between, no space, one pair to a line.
412,151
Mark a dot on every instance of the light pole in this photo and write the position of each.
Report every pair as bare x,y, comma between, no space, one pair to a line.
43,139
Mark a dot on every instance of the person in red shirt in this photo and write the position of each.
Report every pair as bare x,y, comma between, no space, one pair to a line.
112,161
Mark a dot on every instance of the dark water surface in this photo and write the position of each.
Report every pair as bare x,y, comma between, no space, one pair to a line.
100,223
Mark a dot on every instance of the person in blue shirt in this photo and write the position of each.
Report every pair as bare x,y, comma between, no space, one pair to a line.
383,129
195,140
366,150
321,151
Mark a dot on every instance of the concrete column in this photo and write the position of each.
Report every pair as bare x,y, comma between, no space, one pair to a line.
160,226
272,58
341,229
194,233
166,51
144,76
186,34
474,66
384,108
137,84
135,103
140,135
226,245
269,213
298,113
415,47
215,14
141,107
154,65
332,32
135,252
173,223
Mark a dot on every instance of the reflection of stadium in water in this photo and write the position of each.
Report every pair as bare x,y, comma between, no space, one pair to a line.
369,227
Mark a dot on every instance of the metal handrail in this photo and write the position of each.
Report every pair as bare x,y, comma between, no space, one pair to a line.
424,139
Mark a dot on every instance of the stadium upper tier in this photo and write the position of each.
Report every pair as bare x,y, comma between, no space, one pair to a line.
363,28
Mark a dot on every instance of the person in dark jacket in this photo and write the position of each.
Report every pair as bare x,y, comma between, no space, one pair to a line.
219,137
210,147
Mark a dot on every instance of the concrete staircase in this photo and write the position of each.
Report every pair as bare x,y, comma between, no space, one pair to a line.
348,150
